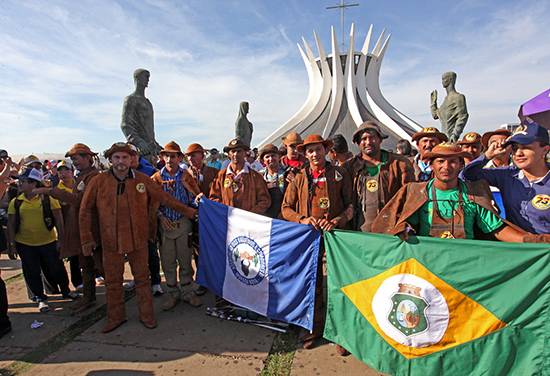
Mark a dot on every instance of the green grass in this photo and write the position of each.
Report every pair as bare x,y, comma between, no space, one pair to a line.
281,355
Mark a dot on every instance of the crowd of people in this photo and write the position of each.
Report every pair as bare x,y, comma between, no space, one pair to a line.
494,186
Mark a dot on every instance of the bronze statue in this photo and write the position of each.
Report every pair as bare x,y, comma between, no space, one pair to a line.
243,127
137,118
452,113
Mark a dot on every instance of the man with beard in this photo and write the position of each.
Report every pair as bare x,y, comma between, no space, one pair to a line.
425,140
319,196
121,199
471,144
525,187
82,159
377,175
238,185
445,206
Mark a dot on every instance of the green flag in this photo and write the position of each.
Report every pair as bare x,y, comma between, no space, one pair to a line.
438,306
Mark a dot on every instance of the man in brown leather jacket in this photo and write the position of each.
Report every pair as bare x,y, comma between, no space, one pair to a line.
445,206
320,196
120,198
82,159
377,175
239,185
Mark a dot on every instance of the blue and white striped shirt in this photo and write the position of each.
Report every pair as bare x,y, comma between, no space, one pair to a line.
173,184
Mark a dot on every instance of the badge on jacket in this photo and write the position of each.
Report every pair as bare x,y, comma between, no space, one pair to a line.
324,203
227,183
140,188
80,187
541,202
338,176
372,185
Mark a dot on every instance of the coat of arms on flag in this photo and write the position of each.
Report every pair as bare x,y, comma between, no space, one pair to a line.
247,260
434,307
266,265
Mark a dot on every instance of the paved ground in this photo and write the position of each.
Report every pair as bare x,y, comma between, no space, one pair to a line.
185,342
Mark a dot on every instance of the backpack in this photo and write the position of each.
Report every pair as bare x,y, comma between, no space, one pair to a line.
47,213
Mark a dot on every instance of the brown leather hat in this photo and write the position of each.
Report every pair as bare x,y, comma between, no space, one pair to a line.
268,149
293,138
236,143
171,147
487,136
193,148
446,150
430,132
79,149
119,147
369,124
314,139
470,138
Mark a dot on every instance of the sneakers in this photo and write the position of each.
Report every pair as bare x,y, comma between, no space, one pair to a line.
99,281
43,306
157,290
129,286
169,303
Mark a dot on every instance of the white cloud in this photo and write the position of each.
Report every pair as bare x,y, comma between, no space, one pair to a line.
74,66
66,72
500,65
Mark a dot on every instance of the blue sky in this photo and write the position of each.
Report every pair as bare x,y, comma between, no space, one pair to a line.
66,66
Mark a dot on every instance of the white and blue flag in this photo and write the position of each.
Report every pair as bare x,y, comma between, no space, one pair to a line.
266,265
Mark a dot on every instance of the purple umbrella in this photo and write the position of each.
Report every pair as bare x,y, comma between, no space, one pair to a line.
538,109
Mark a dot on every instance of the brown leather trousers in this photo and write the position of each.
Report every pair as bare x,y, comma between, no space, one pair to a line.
113,264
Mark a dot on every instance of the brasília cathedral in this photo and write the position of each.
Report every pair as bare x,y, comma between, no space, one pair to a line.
345,92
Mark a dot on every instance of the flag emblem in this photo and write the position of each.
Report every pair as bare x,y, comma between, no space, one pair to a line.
407,313
246,260
416,312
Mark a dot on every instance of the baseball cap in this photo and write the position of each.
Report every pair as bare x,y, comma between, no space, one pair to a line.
32,174
528,133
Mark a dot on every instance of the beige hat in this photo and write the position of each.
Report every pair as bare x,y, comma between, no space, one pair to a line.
293,138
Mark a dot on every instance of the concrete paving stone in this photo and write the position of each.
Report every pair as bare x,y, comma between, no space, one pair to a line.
186,328
186,340
324,360
87,358
9,268
22,312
